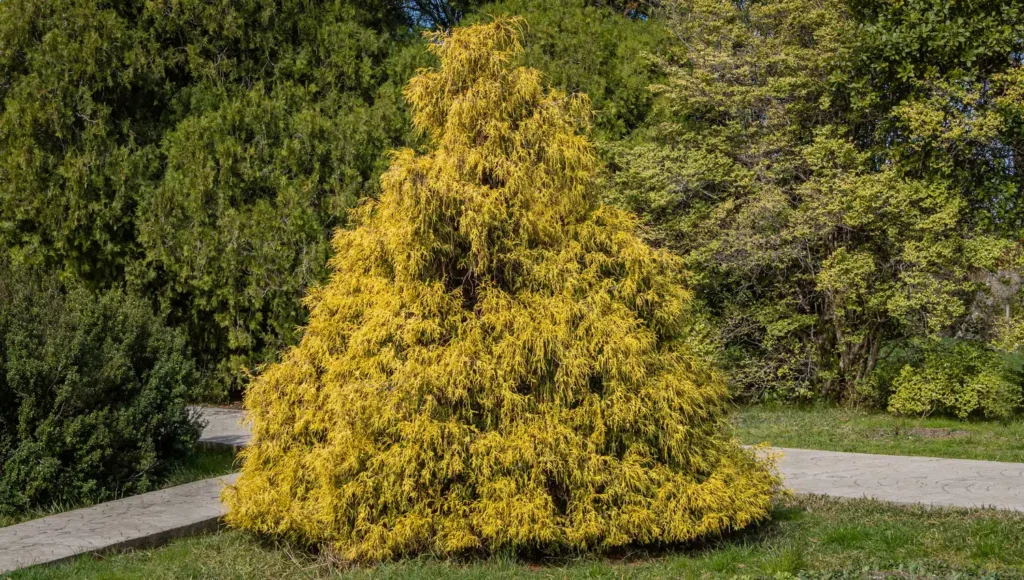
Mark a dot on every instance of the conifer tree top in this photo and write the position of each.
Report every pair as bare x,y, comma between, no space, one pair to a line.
510,168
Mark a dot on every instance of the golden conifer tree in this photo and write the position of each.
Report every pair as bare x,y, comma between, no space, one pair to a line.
497,361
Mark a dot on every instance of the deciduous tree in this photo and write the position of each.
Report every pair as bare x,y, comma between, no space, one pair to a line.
816,251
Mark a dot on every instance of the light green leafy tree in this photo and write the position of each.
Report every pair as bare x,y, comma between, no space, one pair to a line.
816,258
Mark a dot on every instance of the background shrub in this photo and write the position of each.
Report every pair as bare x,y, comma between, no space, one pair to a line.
957,378
820,196
93,390
197,152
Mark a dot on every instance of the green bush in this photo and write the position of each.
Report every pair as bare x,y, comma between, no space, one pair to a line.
93,392
197,152
961,379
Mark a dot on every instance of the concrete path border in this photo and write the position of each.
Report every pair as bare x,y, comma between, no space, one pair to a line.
905,479
143,520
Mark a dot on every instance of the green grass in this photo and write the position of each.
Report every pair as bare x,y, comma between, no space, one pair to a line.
808,536
205,462
844,429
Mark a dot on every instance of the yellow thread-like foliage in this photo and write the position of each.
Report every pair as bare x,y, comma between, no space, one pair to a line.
497,361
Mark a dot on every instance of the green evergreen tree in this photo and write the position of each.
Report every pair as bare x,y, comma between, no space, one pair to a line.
196,152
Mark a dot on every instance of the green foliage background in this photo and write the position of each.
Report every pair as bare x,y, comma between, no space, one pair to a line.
837,175
200,153
197,153
588,47
94,392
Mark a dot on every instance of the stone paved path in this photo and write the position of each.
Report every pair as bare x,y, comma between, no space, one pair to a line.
142,520
225,427
925,480
151,518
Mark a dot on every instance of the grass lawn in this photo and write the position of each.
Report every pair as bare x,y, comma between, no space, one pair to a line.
843,429
204,463
809,536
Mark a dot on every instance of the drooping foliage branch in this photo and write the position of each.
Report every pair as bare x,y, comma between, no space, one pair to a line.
497,362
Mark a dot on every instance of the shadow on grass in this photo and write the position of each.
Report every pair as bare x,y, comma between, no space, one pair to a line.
807,537
722,552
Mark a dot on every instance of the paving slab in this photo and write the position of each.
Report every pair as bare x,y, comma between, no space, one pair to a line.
139,521
920,480
225,427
